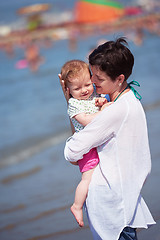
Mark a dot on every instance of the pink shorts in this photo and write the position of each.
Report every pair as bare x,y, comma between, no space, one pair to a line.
89,160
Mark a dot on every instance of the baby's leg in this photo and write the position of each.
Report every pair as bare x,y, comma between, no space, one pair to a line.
80,196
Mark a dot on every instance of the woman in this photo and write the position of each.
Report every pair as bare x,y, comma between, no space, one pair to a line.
114,204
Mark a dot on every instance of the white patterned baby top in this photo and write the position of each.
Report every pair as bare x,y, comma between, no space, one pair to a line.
76,106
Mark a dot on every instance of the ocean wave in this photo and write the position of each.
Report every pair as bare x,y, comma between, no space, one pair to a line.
27,150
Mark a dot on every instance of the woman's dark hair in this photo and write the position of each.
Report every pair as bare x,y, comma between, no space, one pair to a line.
114,58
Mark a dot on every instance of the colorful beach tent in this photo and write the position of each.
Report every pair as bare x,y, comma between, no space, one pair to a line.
90,11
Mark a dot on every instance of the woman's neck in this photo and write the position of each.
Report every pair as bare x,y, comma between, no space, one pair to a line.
118,93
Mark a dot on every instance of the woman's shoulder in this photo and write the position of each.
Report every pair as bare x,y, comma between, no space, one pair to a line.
128,104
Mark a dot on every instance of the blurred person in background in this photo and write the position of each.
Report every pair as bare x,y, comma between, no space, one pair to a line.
32,56
83,106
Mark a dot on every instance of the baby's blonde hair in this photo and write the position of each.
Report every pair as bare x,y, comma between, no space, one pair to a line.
73,69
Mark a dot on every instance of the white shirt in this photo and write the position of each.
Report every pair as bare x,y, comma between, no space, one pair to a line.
120,134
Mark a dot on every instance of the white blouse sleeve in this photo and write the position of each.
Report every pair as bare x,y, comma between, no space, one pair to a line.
102,128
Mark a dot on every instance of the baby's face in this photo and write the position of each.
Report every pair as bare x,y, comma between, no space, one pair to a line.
81,87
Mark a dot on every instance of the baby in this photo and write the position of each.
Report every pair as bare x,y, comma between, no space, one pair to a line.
83,105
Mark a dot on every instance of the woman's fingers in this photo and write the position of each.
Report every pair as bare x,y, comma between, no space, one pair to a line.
62,83
67,94
60,78
65,90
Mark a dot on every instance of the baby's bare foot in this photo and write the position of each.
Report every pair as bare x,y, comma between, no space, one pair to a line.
78,214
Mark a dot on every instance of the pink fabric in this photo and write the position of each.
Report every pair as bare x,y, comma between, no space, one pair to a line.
89,160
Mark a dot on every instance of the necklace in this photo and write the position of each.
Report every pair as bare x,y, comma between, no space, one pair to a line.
120,93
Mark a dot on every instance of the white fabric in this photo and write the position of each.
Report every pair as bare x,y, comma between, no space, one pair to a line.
114,199
76,106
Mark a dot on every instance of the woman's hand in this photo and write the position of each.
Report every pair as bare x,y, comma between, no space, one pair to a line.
67,97
65,90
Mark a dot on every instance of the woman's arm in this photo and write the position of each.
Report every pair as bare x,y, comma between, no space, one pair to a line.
84,118
103,128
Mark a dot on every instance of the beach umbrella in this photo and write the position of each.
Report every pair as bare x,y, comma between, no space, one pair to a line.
97,11
32,9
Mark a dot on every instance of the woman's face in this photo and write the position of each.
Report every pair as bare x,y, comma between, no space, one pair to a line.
103,83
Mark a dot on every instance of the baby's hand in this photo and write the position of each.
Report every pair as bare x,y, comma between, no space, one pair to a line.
102,103
99,102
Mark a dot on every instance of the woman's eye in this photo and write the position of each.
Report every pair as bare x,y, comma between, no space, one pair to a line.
101,80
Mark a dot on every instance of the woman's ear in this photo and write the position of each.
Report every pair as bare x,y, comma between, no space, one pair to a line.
120,79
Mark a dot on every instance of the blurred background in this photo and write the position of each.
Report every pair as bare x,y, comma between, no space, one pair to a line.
36,38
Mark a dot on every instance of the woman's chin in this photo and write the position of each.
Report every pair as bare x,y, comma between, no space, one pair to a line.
99,90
